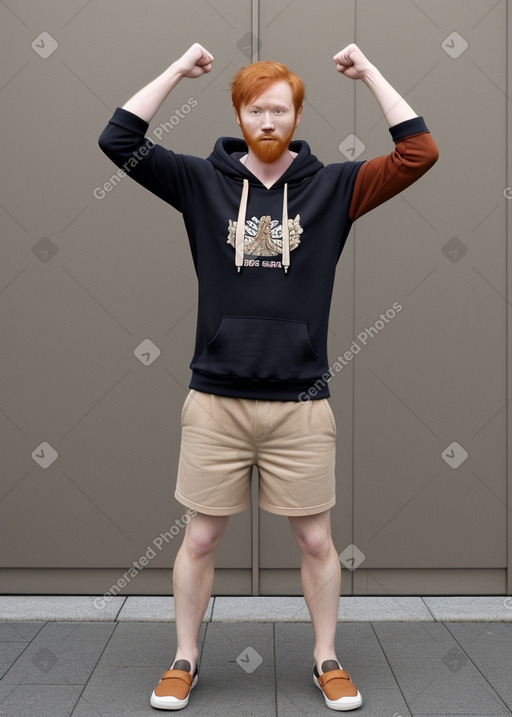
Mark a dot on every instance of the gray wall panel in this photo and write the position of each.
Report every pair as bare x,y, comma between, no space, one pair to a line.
83,281
429,379
121,273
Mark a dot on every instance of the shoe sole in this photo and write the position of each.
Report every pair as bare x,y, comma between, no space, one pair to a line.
168,703
342,705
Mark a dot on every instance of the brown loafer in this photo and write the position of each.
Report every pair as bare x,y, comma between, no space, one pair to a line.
173,690
339,691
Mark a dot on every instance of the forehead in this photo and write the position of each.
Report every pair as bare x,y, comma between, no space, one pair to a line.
278,92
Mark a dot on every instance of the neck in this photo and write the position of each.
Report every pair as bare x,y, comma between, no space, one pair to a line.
268,173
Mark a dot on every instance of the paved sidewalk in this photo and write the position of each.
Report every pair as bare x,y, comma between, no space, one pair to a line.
63,656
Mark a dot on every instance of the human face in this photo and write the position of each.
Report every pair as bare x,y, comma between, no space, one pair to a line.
269,122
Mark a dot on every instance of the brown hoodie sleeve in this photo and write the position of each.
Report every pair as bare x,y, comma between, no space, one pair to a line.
381,178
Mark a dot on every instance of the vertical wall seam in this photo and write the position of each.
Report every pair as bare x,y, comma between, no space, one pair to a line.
255,23
354,124
255,527
507,295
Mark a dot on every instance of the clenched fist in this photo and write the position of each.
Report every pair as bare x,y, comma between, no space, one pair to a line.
352,63
195,62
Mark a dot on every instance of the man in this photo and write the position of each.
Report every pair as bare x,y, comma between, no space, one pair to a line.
266,223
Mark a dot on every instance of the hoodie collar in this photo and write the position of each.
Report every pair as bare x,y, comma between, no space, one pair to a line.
228,150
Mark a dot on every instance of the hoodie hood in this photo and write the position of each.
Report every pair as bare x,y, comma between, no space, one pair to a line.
226,158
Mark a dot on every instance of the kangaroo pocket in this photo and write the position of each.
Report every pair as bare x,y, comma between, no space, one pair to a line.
262,348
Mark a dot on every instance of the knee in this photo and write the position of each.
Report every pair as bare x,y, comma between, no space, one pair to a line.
203,537
315,542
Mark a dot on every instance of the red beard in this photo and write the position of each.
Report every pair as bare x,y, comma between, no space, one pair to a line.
267,150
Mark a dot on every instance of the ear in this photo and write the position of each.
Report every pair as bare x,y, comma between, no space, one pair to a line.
298,116
237,117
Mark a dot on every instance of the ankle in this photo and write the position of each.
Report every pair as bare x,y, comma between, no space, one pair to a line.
191,658
330,657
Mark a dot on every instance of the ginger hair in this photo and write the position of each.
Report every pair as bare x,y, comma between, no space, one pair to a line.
250,81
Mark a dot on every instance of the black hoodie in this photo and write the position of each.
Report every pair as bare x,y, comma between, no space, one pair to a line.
265,290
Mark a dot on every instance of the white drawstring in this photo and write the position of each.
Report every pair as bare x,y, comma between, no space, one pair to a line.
286,234
240,227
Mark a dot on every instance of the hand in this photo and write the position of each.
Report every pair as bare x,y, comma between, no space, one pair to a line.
352,63
195,62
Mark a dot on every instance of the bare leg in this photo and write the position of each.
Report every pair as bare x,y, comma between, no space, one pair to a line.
193,580
321,580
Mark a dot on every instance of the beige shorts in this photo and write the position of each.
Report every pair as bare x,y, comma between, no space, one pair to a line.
292,444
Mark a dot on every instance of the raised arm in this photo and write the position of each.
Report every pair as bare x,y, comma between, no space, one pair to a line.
123,140
194,63
352,63
415,151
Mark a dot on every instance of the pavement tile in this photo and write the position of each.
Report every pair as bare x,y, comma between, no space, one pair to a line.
434,673
153,609
118,692
484,639
359,653
432,687
9,653
14,639
472,609
407,641
38,700
236,675
59,607
61,654
19,631
489,646
260,609
372,609
143,644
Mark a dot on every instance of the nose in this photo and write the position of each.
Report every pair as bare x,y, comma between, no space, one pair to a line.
266,122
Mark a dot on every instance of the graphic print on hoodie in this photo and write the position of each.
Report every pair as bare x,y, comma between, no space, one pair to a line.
265,259
264,238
